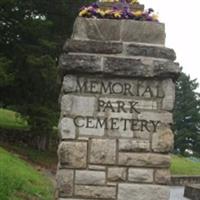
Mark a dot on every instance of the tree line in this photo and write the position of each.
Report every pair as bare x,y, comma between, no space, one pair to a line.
31,37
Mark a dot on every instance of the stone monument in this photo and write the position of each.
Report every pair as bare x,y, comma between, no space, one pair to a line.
116,100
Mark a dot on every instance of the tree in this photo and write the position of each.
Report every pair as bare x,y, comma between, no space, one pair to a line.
28,64
187,115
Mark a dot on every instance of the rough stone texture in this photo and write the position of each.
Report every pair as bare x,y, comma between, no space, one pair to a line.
164,117
103,151
117,174
76,105
140,67
162,176
103,30
66,129
169,99
150,51
84,177
83,105
117,97
134,145
69,83
116,30
140,175
80,63
97,192
145,32
119,66
143,192
73,154
66,105
93,46
163,141
97,167
144,160
65,182
91,133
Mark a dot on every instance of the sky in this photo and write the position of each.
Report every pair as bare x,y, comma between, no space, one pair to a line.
182,21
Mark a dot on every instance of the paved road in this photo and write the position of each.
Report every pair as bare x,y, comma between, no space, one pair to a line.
177,193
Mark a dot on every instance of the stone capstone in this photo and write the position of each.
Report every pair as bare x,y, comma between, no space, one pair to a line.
119,30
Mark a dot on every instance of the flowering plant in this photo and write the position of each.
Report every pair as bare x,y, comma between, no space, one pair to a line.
115,12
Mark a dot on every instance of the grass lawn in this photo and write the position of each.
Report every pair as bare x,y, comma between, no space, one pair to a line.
19,181
184,166
9,119
46,159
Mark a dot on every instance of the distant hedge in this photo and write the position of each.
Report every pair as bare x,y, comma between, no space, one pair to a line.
25,137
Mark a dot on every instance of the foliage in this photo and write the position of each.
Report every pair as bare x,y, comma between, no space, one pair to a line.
28,57
46,159
183,166
19,181
187,115
10,119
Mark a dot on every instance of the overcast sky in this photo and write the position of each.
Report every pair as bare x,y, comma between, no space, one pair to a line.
182,21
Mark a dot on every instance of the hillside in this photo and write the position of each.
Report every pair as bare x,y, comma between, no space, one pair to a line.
20,181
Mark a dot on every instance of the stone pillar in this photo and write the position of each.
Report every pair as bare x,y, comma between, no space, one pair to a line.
116,100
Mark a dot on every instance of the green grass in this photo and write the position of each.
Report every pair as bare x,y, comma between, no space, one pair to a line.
19,181
46,159
9,119
183,166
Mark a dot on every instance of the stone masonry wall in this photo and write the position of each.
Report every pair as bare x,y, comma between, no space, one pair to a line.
116,103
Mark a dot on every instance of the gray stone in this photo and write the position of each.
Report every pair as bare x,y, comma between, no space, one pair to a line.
65,180
77,105
163,176
164,117
66,105
97,192
79,63
144,160
140,67
169,99
163,141
83,105
93,46
117,174
128,145
69,83
73,154
143,192
150,51
84,177
140,175
103,151
97,167
119,30
142,31
67,129
96,29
